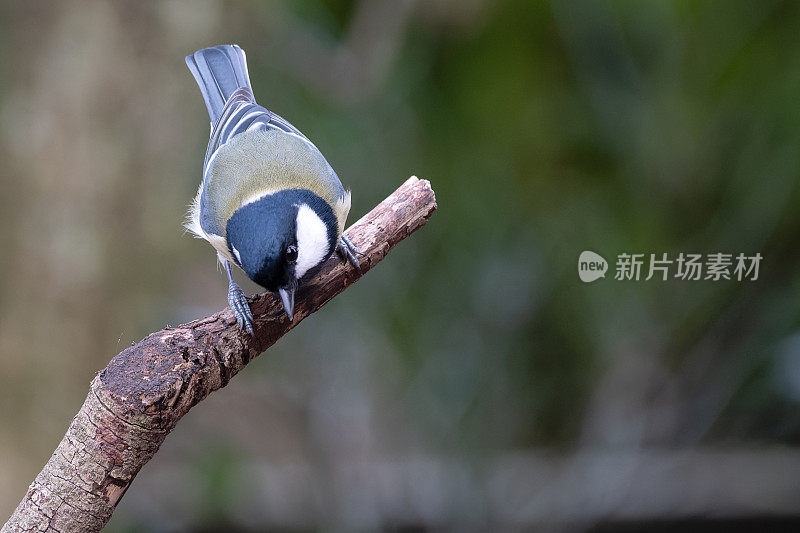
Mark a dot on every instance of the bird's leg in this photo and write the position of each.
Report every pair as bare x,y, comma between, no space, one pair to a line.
238,302
349,251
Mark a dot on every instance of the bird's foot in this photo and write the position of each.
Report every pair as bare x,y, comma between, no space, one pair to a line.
349,251
240,308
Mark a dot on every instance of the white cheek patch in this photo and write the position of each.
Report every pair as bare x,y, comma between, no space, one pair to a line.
312,240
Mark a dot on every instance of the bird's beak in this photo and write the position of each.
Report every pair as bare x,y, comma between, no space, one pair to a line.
287,297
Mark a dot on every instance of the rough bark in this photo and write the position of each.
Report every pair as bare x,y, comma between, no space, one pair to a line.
138,398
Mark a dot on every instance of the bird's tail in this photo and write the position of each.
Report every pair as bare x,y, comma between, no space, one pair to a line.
219,71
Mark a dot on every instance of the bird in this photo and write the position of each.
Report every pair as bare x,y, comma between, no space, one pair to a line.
268,202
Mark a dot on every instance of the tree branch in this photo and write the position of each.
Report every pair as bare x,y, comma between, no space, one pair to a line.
138,398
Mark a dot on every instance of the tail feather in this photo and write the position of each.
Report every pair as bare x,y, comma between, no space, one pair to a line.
219,71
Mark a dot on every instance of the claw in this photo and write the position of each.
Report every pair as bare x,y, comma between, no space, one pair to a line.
240,307
352,246
238,302
348,249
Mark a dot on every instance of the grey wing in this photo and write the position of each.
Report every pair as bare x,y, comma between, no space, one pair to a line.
283,124
240,114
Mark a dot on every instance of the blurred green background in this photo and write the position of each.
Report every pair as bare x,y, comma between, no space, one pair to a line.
471,380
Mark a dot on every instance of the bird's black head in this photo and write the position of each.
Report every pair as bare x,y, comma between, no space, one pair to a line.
280,237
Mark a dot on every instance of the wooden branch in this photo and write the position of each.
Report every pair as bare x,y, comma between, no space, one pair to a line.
138,398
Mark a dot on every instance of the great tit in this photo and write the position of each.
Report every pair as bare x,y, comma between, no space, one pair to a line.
269,202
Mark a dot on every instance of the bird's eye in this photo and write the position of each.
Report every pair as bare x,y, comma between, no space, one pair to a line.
291,253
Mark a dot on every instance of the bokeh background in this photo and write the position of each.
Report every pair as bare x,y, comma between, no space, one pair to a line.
471,380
